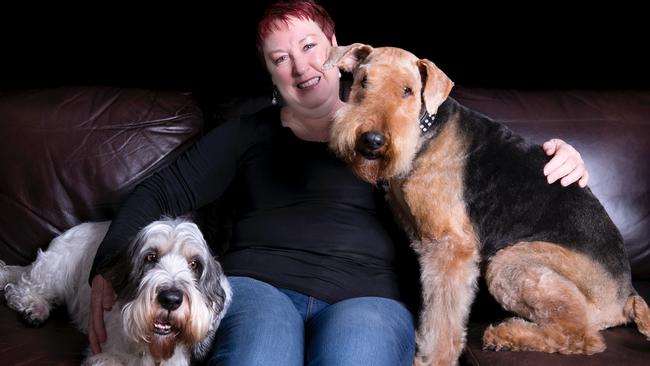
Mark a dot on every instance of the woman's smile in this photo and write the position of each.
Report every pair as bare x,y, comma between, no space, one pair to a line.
309,84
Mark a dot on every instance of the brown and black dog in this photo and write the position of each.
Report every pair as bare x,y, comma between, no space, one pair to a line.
472,196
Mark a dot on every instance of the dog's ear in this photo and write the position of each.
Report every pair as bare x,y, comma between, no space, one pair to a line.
436,86
211,284
346,58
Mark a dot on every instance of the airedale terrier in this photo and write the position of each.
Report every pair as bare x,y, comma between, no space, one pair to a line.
467,190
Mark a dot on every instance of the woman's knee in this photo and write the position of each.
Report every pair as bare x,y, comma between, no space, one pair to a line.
261,327
369,330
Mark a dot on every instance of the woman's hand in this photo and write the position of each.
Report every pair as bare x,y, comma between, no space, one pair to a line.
102,298
566,164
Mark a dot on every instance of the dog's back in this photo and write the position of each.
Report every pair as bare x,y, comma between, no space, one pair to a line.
509,200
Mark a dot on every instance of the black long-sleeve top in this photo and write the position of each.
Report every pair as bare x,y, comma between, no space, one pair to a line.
303,221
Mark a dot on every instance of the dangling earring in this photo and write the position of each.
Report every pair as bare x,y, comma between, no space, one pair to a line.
340,74
276,97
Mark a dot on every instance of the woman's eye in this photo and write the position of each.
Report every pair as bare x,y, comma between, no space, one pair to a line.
309,46
280,59
407,92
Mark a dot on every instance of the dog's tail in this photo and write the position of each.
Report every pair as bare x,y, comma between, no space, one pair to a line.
636,309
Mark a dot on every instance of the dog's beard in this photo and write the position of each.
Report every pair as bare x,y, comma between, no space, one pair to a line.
367,170
155,328
162,346
160,330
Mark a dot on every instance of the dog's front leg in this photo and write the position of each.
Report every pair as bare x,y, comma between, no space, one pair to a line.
449,272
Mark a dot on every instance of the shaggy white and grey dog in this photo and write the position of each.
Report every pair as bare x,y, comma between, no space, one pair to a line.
171,292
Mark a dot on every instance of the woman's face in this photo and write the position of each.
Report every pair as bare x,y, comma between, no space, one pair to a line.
294,55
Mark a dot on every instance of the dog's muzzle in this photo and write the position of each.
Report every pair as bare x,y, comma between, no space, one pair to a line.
371,145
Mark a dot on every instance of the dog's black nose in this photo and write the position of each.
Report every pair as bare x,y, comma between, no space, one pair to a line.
170,299
372,140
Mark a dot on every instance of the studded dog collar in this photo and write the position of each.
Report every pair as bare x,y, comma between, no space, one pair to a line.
426,120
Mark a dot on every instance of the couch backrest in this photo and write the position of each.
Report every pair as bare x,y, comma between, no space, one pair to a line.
611,129
72,154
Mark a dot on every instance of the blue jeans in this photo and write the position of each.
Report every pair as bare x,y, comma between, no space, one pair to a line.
269,326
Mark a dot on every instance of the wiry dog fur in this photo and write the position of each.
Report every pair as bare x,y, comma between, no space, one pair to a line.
469,190
171,292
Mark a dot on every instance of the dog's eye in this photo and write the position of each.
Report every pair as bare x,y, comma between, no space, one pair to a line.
364,82
407,92
151,258
195,265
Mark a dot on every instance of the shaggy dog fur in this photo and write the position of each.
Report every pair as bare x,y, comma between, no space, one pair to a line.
171,292
469,191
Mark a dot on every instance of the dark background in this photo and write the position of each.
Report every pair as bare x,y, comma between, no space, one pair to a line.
210,49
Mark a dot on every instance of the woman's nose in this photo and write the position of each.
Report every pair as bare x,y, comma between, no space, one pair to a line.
299,66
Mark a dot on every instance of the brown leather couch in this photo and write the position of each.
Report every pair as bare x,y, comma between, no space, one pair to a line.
71,154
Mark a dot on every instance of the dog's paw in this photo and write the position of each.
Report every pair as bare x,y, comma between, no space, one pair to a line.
422,360
34,309
495,347
103,359
493,341
33,318
588,344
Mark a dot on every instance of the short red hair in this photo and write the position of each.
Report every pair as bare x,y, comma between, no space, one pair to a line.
282,10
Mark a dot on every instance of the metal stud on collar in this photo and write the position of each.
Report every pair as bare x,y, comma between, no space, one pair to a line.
426,121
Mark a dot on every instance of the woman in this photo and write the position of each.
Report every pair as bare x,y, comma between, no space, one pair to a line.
311,262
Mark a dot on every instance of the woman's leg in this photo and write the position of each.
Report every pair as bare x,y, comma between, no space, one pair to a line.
261,327
362,331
